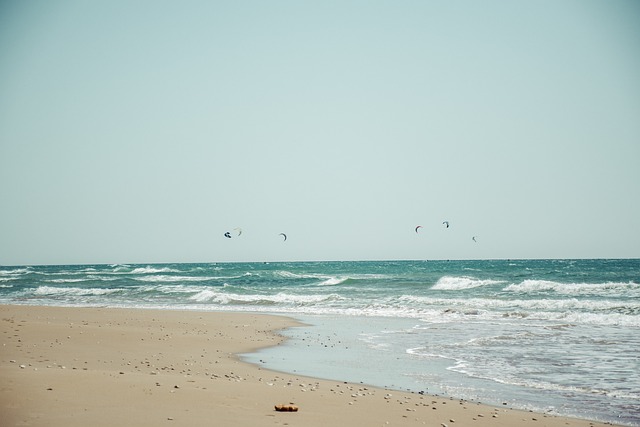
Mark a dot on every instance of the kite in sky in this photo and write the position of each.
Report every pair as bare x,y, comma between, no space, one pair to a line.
418,228
283,235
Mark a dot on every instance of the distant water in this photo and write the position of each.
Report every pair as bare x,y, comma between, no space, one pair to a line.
558,336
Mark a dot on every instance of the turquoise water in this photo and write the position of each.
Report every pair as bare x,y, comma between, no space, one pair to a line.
558,336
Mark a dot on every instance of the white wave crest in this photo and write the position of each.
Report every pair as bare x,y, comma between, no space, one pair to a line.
204,296
164,278
561,305
209,295
451,283
609,288
329,279
15,271
333,281
170,289
567,310
84,279
53,291
290,275
153,270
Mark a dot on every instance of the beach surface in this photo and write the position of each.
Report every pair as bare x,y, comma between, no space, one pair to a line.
133,367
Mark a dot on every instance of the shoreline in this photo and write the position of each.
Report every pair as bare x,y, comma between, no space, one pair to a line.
72,366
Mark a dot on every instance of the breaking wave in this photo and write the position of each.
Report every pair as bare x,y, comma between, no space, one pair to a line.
209,295
70,291
452,283
547,286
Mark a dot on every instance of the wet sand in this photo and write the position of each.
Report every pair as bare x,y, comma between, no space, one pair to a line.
73,367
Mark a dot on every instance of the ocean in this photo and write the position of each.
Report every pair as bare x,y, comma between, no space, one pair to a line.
555,336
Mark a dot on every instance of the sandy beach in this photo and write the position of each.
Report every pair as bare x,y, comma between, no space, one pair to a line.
105,367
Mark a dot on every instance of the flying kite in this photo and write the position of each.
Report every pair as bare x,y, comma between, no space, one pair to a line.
418,227
446,223
474,239
283,235
227,235
239,230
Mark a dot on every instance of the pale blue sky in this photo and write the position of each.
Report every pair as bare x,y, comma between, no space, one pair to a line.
141,131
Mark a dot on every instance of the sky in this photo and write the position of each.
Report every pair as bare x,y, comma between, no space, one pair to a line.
141,131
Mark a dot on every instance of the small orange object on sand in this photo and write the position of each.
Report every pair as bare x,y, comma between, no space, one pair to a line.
286,408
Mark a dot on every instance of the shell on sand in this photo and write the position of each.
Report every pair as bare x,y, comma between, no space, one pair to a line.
286,408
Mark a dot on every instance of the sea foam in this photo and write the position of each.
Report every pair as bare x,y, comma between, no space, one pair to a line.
450,283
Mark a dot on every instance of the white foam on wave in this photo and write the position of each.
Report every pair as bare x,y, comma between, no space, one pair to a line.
571,310
153,270
69,272
608,288
89,278
528,305
289,275
163,278
83,279
333,281
204,296
120,268
53,291
325,280
329,279
15,271
453,283
169,289
326,310
211,295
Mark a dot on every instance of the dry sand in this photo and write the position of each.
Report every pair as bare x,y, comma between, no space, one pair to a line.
111,367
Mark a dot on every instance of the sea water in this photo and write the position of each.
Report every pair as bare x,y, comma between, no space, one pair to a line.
556,336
